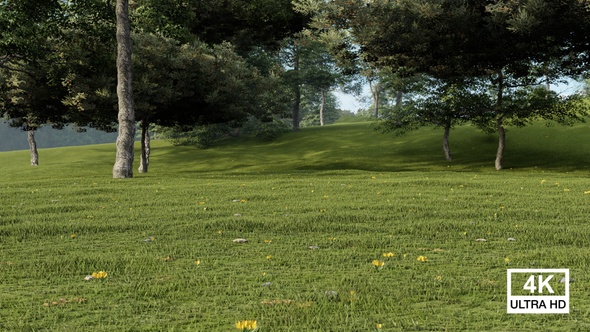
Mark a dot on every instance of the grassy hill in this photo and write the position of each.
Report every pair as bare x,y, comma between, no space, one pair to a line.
347,229
349,146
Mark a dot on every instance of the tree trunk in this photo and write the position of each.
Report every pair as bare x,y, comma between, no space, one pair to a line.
33,148
446,146
123,167
500,122
501,143
145,147
399,95
297,103
375,92
322,104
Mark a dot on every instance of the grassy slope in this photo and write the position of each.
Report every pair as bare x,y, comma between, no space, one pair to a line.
352,192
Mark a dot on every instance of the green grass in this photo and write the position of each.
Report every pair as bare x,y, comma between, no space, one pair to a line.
354,193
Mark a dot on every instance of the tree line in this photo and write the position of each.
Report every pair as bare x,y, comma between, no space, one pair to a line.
210,68
487,62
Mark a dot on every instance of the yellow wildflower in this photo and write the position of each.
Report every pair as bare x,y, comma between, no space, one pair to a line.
506,260
422,258
378,263
379,326
438,278
267,241
246,325
198,262
99,275
268,257
388,254
74,235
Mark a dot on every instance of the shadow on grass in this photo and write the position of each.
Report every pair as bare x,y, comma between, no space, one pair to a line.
358,147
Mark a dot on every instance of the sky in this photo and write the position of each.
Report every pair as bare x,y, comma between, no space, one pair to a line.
354,103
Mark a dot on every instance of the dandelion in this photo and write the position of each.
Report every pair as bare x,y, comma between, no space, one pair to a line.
352,296
506,260
219,232
377,263
388,254
264,274
246,325
379,326
269,257
422,259
438,278
73,235
586,192
267,241
99,275
198,262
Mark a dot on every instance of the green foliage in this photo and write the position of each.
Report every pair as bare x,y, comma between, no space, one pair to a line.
353,194
272,130
245,24
202,137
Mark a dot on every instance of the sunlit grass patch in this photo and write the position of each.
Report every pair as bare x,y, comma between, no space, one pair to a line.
356,249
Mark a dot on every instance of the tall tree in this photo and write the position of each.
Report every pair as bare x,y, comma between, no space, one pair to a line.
123,167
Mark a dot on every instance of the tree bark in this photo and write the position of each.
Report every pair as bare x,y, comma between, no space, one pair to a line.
446,145
33,148
322,104
123,167
500,122
297,103
145,147
501,143
399,95
375,92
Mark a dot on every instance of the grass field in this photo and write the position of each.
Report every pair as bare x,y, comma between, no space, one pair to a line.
318,208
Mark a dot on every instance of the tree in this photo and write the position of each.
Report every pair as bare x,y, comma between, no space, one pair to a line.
30,87
164,73
123,167
312,102
440,104
311,66
29,98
